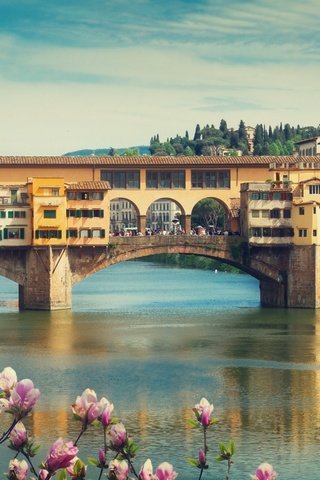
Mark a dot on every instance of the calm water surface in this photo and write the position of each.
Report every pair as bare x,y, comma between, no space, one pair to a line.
155,340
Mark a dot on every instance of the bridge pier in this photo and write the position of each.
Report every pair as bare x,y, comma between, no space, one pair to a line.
48,280
273,294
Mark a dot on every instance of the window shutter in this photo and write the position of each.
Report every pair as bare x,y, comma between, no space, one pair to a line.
101,213
59,234
37,234
10,214
0,234
67,233
78,213
102,233
2,214
5,233
22,233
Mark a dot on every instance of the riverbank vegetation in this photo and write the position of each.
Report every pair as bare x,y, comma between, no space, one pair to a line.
190,261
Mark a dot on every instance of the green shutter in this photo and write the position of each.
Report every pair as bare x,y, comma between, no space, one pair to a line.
67,233
78,213
0,234
59,234
10,214
102,233
101,213
2,214
5,233
22,233
37,233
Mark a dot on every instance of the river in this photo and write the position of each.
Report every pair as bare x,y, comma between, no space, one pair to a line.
154,340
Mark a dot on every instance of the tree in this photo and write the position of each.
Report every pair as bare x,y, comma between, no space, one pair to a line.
209,212
197,133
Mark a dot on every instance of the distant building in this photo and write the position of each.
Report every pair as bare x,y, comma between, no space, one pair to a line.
309,147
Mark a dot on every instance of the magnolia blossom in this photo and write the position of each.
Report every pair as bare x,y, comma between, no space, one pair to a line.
118,435
18,435
202,457
118,469
107,409
165,471
102,457
203,412
8,379
61,455
264,472
71,470
23,398
146,471
43,474
87,407
18,470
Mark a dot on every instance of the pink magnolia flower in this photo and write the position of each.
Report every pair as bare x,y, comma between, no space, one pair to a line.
23,398
118,435
8,379
203,412
118,469
61,455
165,472
102,457
71,470
43,474
18,470
18,435
87,407
264,472
202,457
146,471
107,409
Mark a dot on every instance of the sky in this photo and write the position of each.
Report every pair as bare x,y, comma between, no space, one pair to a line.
113,73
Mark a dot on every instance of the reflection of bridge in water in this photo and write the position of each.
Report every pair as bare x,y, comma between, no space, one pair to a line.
46,274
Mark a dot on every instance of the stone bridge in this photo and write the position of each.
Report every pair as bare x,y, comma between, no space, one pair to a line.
46,274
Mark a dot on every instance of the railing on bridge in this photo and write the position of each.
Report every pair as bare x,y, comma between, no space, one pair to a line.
177,240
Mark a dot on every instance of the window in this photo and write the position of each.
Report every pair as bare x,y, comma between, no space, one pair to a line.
121,179
164,179
314,210
96,195
72,233
210,179
287,213
2,214
314,189
265,213
71,196
255,213
98,213
55,192
255,232
301,210
85,233
48,234
275,213
98,233
13,233
50,214
302,232
266,232
314,233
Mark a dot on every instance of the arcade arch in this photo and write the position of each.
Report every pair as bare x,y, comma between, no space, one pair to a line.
165,215
123,216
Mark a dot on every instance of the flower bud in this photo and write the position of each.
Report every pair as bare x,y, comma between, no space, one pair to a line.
18,436
202,457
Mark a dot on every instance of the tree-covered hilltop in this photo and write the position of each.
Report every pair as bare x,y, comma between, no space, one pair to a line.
210,140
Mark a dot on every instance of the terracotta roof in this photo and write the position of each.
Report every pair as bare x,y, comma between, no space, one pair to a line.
105,161
88,186
145,161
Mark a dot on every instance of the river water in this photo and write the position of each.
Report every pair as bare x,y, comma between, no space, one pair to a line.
154,340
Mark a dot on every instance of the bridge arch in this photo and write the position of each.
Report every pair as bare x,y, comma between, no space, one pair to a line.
230,250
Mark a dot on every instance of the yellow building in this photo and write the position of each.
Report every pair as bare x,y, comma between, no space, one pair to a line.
48,202
88,213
